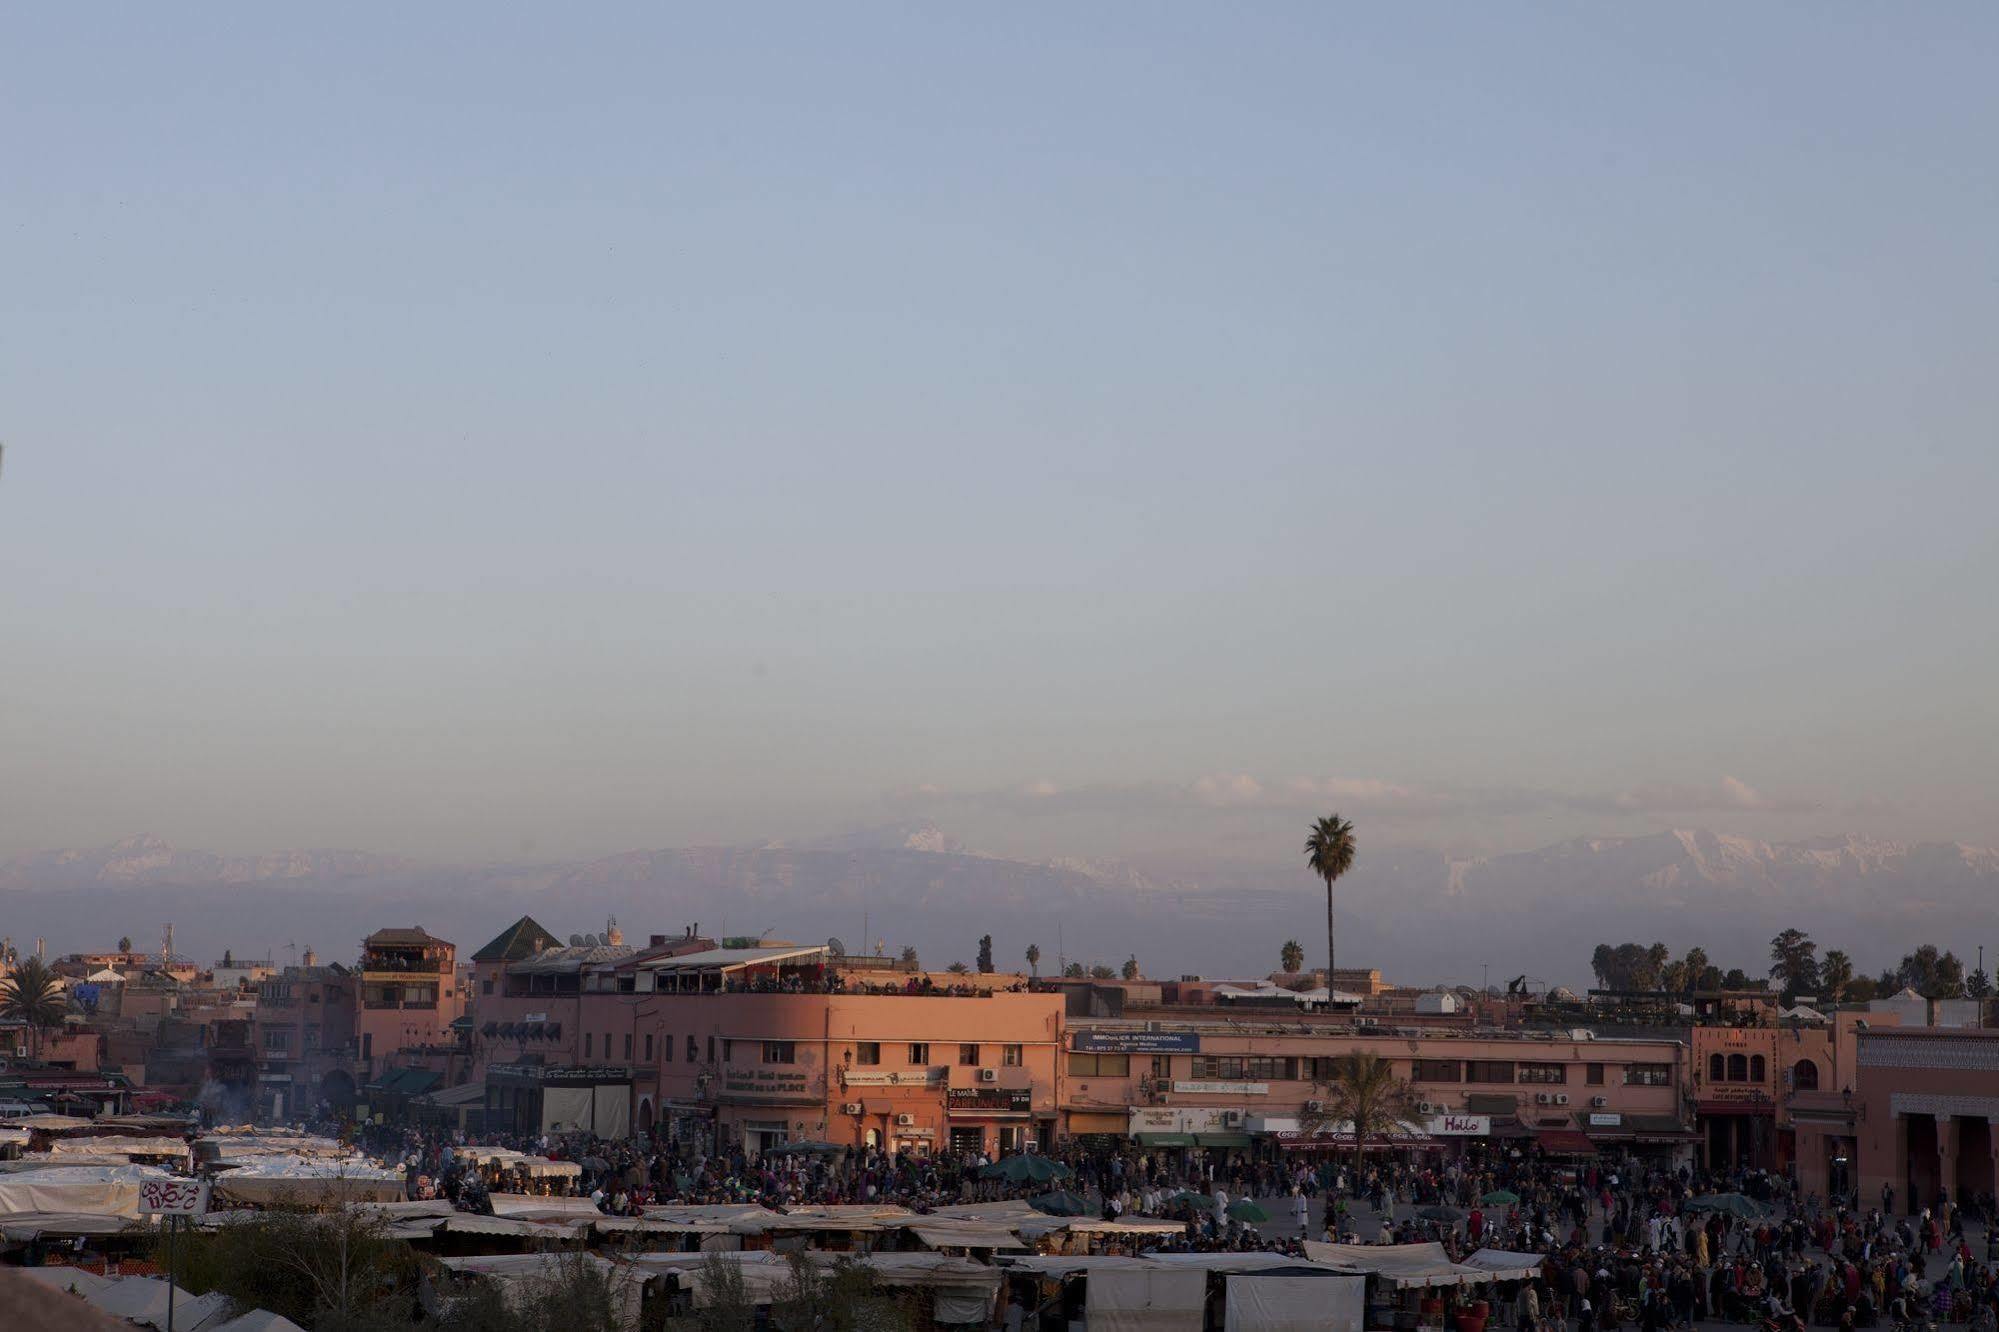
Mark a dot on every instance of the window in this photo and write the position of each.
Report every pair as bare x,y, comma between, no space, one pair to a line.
968,1054
588,1049
1805,1076
1738,1068
486,986
1270,1069
1717,1068
628,1047
711,1049
1013,1056
693,1050
1648,1075
1547,1075
1488,1070
277,1038
919,1052
1758,1070
648,1055
1162,1066
607,1045
666,1049
867,1052
1239,1068
1218,1068
1099,1065
1593,1074
780,1052
312,1044
1436,1070
728,1050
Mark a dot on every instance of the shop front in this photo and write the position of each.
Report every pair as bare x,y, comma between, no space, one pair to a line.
994,1120
530,1099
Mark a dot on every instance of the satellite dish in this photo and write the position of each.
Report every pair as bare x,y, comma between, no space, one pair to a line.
575,941
835,947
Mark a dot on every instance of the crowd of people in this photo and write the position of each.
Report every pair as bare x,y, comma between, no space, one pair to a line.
1624,1244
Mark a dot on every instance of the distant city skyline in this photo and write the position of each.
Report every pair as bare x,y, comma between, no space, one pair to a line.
1105,432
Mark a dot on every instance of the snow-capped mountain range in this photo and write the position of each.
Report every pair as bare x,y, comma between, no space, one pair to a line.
1416,913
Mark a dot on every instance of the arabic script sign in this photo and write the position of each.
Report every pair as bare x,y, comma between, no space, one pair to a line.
173,1197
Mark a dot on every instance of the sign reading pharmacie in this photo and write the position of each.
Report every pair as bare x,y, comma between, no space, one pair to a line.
1179,1119
173,1197
1136,1042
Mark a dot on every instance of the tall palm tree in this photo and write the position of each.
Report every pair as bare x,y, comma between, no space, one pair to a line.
34,995
1291,957
1361,1089
1034,958
1330,852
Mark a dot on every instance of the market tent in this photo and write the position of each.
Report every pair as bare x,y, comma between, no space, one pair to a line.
98,1190
540,1167
1127,1225
1402,1266
153,1148
1149,1298
943,1233
533,1206
302,1181
510,1270
464,1223
1288,1302
144,1300
1063,1264
257,1320
21,1227
14,1137
1060,1202
1505,1265
765,1274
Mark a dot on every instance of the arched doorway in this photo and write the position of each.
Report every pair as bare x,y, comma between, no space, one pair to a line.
337,1089
645,1114
1805,1076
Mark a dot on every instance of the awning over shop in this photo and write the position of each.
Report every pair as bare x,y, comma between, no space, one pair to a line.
1221,1139
1564,1142
1760,1109
1657,1128
1166,1140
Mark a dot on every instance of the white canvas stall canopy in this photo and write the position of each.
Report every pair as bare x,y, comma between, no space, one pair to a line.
534,1207
1400,1266
51,1124
603,1109
1014,1215
950,1234
489,1156
540,1167
1505,1265
1148,1298
14,1137
1281,1300
1125,1225
242,1145
513,1270
304,1182
153,1149
22,1227
567,1228
96,1190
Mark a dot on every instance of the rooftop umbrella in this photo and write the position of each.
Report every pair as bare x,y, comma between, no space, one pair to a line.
1025,1169
1500,1197
1060,1202
1187,1197
1440,1213
1732,1203
1245,1210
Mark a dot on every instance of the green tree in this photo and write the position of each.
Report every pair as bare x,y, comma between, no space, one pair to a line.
1836,974
1130,969
909,958
322,1269
1978,985
124,943
1329,851
1074,971
1034,958
1102,972
1738,979
1794,961
1932,974
1360,1090
986,953
959,969
1695,977
1291,957
34,995
1862,990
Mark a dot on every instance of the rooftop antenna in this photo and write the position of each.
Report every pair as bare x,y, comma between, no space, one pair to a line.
291,946
167,946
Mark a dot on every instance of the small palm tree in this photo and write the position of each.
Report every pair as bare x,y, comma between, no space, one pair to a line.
1292,957
1034,958
124,943
1361,1089
1330,852
34,995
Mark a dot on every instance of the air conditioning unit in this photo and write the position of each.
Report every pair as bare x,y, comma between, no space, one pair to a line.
905,1121
988,1075
1542,1098
1561,1098
1231,1117
851,1108
1316,1107
1599,1101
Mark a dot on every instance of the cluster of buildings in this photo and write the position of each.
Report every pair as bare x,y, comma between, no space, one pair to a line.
748,1043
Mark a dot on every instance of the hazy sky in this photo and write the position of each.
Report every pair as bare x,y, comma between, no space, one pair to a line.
435,430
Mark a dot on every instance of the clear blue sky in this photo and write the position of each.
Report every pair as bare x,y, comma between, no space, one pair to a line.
439,430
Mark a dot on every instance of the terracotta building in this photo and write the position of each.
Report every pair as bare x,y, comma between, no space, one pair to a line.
410,995
1926,1114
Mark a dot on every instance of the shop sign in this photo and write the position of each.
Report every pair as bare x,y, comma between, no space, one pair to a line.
1136,1042
1223,1088
173,1197
903,1077
1003,1100
1459,1126
766,1082
1179,1119
1599,1119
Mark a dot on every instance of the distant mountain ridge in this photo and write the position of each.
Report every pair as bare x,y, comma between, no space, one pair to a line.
1419,915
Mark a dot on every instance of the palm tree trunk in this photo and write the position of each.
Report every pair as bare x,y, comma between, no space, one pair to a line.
1329,944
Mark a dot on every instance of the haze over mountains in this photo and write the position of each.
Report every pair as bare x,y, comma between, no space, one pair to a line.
1418,914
